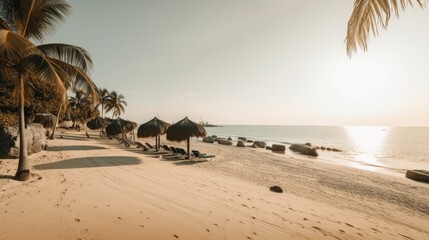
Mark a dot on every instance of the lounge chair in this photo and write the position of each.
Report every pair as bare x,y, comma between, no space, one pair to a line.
184,153
175,152
200,155
150,146
166,148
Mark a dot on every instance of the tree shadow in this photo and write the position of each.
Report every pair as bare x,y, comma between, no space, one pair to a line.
89,162
67,137
6,177
187,162
76,148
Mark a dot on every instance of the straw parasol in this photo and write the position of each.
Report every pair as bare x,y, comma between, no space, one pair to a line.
184,130
46,119
97,123
120,126
153,128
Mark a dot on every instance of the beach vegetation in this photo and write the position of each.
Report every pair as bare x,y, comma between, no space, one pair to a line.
23,63
368,16
116,104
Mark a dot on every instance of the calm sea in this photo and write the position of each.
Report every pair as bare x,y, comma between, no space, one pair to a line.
390,147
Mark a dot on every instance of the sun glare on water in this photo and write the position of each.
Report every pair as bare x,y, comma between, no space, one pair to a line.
368,142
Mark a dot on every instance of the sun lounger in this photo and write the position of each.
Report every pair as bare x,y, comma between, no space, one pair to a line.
150,146
182,151
175,152
166,148
200,155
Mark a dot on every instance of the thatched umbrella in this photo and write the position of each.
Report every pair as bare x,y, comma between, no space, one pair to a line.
184,130
120,126
97,123
153,128
46,119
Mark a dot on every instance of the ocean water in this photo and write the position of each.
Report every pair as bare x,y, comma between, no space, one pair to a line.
367,147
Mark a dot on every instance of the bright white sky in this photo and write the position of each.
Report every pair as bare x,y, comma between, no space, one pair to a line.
277,62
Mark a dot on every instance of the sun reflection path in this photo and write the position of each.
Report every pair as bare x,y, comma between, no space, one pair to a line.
368,142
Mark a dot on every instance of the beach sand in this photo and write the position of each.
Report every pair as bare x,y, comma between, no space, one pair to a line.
92,188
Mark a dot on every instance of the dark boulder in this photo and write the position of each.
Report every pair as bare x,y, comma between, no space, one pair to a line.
278,148
9,139
224,142
268,148
260,144
276,189
208,139
304,149
240,143
419,175
242,138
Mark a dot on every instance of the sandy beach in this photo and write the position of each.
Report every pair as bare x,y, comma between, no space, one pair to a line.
93,188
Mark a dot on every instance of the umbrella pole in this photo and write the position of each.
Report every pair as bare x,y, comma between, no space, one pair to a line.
189,154
158,143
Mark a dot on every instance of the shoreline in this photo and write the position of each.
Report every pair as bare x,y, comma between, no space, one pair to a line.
96,189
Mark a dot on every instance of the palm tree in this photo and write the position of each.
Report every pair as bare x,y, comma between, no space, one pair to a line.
22,62
367,15
116,104
79,105
103,100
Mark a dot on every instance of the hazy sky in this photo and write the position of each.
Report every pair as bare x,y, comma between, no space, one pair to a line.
253,61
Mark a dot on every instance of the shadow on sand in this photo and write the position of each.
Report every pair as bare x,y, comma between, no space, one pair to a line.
6,177
90,162
76,147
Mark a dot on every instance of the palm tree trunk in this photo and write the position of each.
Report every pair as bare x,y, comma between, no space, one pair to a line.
23,171
56,122
102,116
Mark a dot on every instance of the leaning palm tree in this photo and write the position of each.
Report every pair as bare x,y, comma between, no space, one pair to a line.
22,62
116,104
368,15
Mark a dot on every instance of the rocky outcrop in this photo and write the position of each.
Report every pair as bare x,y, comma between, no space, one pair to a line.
208,139
304,149
229,138
260,144
278,148
268,148
249,141
9,139
214,136
224,142
240,143
242,139
419,175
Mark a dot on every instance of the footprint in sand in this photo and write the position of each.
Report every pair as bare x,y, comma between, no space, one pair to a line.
348,224
119,218
208,230
141,225
175,236
77,220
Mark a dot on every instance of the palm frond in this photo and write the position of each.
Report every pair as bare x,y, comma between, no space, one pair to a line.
14,47
4,25
40,67
368,15
36,18
78,79
70,54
